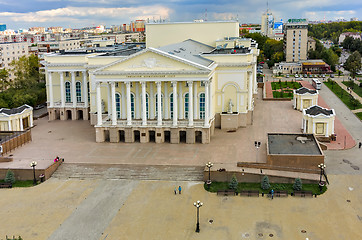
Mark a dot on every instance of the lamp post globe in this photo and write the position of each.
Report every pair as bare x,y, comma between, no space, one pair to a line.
209,166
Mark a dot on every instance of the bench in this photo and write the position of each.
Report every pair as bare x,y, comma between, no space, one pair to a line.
6,185
249,193
281,193
226,192
303,193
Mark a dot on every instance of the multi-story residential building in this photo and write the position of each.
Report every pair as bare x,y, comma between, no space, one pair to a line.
295,40
2,27
54,46
354,35
10,52
178,89
37,29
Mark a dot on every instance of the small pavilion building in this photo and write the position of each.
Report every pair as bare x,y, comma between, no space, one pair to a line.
16,119
319,121
304,98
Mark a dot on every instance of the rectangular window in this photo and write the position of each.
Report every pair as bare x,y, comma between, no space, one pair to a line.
77,74
319,128
66,74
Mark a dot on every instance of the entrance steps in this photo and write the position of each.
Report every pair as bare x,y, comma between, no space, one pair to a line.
129,171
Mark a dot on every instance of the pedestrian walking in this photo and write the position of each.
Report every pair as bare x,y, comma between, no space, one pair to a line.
175,190
179,189
272,193
360,145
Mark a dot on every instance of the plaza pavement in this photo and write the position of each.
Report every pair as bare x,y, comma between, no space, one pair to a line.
98,209
75,142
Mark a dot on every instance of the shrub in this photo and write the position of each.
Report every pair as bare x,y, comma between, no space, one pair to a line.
234,183
298,184
265,183
10,177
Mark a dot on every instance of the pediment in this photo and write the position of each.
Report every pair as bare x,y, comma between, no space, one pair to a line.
151,61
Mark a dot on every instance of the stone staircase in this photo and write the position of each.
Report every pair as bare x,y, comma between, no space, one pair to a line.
129,171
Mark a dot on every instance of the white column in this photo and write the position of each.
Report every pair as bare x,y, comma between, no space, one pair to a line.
9,125
109,104
191,114
144,110
85,89
165,100
211,97
255,81
175,102
326,135
314,127
50,81
197,116
333,127
250,93
294,100
114,110
21,124
159,110
181,106
123,109
99,104
305,126
31,120
151,104
301,104
62,95
303,123
74,97
137,101
207,105
129,114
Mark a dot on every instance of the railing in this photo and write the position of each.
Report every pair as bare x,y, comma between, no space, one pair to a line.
107,122
68,104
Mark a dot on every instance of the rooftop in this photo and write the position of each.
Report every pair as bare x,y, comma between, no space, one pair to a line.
293,144
14,110
316,110
304,90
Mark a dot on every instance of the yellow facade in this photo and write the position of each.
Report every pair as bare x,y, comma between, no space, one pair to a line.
17,119
320,124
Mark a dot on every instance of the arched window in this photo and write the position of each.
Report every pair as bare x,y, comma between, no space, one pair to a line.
132,105
118,105
88,92
202,106
171,105
67,92
78,91
157,105
186,105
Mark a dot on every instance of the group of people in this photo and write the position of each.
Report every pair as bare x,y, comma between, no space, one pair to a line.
179,190
57,159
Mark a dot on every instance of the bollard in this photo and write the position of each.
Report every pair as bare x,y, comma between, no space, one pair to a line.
262,194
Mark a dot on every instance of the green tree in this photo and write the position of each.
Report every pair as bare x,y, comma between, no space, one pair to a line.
26,71
354,102
234,183
265,183
10,177
298,184
4,79
353,63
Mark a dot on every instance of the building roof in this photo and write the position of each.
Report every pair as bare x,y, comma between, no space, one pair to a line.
304,90
293,144
316,110
189,50
14,110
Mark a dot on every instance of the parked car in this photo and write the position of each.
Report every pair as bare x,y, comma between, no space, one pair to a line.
332,75
296,76
323,76
287,75
305,75
310,75
299,79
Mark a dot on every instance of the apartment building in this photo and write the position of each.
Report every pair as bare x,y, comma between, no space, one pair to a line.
295,40
10,52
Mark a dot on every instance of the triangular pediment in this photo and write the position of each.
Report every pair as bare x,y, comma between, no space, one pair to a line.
151,60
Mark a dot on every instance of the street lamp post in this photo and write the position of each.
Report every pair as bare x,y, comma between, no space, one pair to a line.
33,164
322,166
198,204
209,166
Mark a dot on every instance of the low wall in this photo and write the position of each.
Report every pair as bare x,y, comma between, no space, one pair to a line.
226,176
277,99
27,174
275,167
6,159
16,141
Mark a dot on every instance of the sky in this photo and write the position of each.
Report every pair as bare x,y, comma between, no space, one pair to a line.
87,13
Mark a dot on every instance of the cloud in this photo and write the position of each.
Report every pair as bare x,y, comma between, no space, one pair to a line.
69,14
333,15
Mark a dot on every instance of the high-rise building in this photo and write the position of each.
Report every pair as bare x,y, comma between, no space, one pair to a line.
2,27
295,40
267,23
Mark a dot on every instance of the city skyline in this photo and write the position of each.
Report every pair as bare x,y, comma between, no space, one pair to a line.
81,13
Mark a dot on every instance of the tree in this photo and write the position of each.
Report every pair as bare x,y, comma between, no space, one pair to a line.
4,79
265,183
10,177
353,63
298,184
354,102
234,183
26,71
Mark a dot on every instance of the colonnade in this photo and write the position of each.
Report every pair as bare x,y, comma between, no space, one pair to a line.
176,105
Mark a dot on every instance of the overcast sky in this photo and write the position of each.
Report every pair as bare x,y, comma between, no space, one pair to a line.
81,13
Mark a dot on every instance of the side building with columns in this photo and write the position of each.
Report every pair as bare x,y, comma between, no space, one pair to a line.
173,93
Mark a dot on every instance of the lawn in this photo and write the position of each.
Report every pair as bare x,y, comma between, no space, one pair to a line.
215,186
27,183
354,87
343,95
359,115
287,84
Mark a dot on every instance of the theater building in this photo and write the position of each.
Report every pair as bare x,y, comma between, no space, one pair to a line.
173,90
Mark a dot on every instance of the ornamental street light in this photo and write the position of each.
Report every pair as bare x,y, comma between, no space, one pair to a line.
257,146
209,166
198,204
322,166
33,164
